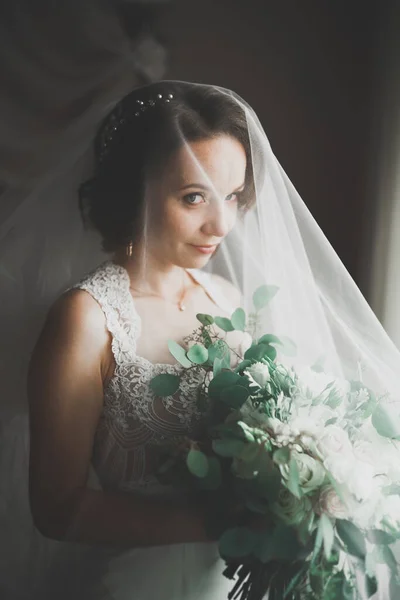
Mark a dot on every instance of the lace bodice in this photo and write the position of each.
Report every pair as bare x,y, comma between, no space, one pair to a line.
135,426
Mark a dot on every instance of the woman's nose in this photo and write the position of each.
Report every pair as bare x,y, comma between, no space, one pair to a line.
217,223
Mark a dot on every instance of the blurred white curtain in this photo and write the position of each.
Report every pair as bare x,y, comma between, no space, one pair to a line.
385,267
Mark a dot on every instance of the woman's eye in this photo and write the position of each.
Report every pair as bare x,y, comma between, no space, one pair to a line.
231,197
234,196
193,199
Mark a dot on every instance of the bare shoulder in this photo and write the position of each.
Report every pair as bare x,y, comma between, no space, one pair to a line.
228,289
76,311
75,323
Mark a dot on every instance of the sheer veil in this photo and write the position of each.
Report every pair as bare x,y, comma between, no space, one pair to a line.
63,68
44,248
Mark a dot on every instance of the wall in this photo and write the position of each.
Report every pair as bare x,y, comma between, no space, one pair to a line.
307,68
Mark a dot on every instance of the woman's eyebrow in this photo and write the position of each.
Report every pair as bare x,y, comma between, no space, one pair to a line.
204,187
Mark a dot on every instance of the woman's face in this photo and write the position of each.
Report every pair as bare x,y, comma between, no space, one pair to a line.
194,202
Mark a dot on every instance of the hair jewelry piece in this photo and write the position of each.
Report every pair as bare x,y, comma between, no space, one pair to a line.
121,115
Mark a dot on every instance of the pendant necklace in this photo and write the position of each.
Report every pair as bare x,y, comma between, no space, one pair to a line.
180,304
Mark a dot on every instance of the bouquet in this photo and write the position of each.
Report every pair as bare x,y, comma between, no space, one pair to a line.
314,456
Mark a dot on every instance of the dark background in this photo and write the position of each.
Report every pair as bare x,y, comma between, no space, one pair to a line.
311,70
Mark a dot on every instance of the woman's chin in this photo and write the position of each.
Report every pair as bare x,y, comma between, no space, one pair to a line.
195,262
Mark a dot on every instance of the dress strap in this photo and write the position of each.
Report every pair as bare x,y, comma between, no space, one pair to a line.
108,284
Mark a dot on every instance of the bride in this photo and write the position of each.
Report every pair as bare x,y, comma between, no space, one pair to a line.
170,181
194,213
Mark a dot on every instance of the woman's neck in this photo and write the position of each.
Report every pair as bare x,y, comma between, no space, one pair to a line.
150,275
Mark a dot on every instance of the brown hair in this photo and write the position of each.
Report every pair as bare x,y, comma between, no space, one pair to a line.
138,136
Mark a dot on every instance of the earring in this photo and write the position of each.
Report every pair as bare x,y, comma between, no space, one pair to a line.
129,249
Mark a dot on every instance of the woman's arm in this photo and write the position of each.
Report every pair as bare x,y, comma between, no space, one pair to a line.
65,389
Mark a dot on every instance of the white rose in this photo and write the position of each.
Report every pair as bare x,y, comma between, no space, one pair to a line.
365,452
361,482
311,472
330,503
259,373
334,441
340,467
290,509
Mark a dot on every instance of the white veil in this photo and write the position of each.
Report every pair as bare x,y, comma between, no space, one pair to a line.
277,242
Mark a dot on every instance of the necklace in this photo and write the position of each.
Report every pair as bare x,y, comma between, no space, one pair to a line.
182,295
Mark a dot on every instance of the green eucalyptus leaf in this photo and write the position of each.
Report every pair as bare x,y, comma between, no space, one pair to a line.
242,366
281,456
328,534
217,366
238,319
223,380
285,543
165,384
352,537
237,542
385,424
234,396
371,586
263,549
221,350
228,448
213,478
263,295
392,490
224,323
260,351
197,463
179,353
250,452
293,483
269,338
389,558
205,319
377,536
198,354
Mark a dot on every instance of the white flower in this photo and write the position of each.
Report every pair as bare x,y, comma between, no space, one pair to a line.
361,482
311,472
258,373
290,509
282,433
340,468
334,442
387,514
330,503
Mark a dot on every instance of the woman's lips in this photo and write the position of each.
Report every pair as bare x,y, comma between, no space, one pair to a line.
205,249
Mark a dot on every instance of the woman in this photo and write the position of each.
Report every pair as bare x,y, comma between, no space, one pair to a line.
163,208
196,213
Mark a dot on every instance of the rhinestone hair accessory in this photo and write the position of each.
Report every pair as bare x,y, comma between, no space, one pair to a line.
120,117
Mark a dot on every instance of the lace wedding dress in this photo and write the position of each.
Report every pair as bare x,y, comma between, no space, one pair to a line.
133,428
